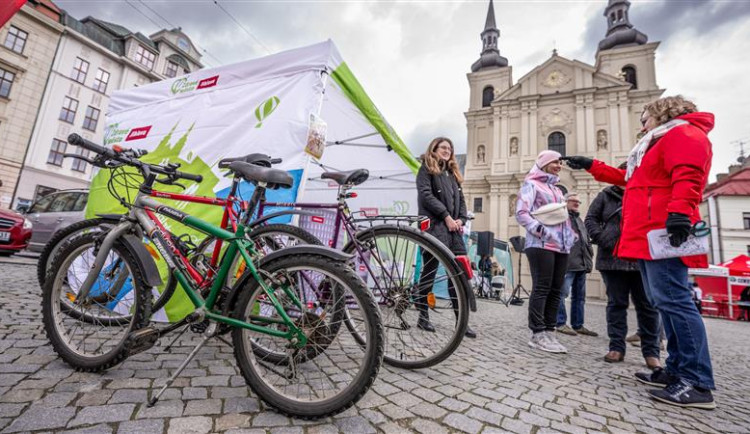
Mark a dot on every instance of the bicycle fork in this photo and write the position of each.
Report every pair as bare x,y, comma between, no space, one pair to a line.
100,260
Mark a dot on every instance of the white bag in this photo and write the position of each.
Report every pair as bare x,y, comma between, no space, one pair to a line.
660,248
551,214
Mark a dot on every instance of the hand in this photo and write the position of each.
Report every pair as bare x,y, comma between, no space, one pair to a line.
678,228
459,222
577,162
452,225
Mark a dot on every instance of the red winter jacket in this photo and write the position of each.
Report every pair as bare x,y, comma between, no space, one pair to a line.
671,178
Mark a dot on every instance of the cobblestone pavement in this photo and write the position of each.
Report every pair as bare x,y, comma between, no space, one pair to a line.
492,384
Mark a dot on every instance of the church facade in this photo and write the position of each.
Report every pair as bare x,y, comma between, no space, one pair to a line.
565,105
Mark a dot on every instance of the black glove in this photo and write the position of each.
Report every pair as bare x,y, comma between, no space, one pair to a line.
577,162
678,228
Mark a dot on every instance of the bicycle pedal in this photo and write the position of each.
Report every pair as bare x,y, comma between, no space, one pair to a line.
199,327
141,340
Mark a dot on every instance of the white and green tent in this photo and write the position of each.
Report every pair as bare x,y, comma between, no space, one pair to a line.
262,105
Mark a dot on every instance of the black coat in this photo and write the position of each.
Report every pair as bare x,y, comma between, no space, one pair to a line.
603,224
581,254
439,196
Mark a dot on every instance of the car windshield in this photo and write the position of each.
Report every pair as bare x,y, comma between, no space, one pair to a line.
41,205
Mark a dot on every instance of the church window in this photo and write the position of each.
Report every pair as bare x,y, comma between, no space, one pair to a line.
488,94
628,74
619,15
556,142
477,204
612,18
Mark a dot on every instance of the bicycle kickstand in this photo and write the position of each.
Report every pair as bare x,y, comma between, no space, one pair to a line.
206,336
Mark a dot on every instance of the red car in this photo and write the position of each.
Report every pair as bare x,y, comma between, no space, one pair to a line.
15,231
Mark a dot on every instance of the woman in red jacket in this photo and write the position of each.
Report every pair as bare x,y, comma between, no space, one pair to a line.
666,174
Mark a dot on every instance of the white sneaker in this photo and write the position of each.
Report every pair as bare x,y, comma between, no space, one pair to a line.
554,343
539,341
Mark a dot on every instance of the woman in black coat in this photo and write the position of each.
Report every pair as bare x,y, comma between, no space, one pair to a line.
622,279
440,198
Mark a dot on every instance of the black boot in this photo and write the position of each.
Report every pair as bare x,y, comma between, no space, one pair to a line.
424,323
471,334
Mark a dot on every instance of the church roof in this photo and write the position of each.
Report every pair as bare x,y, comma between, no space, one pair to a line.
490,57
620,32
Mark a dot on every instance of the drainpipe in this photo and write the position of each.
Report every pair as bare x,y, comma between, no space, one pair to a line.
717,252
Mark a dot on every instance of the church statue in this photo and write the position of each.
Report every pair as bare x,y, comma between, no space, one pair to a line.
513,146
480,154
601,140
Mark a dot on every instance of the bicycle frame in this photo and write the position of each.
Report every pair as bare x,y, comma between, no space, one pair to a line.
142,217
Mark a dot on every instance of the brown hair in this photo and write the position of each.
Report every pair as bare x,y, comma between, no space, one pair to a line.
435,165
665,109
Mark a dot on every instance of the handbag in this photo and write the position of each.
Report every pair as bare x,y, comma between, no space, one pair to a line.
551,214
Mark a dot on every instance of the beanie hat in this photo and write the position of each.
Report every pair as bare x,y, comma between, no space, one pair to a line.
546,157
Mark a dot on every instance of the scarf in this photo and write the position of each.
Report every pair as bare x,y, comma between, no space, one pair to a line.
637,153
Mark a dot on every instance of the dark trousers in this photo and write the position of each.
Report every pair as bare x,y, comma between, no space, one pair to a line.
426,282
547,278
621,286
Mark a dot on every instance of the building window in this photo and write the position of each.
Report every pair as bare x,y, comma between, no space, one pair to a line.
6,81
68,112
556,142
145,57
171,69
746,220
56,152
80,165
628,74
91,119
488,94
80,69
477,204
101,80
16,39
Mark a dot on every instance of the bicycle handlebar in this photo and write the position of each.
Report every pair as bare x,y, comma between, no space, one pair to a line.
129,157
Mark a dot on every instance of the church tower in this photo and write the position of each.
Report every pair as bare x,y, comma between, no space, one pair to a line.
490,74
625,52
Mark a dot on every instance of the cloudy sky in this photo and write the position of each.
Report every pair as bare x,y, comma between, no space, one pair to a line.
412,56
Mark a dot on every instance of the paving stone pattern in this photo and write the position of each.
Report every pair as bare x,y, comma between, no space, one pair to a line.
492,384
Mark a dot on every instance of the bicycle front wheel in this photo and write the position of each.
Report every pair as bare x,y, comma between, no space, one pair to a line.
93,335
331,371
416,281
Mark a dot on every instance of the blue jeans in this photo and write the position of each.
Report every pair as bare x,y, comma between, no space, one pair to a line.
575,286
666,283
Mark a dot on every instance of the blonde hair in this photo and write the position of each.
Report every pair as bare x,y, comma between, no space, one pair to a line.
665,109
435,165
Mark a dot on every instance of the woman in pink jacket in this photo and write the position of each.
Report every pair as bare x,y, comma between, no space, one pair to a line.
547,248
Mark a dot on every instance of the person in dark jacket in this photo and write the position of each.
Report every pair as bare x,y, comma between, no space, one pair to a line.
622,280
440,198
580,263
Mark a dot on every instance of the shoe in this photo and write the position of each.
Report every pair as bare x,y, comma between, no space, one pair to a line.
657,378
634,340
471,334
566,330
425,325
652,363
614,357
586,332
684,394
539,341
552,339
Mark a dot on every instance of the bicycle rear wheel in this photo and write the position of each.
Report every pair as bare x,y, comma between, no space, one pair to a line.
93,336
397,262
332,370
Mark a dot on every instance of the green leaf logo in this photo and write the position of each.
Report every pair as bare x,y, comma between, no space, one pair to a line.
264,110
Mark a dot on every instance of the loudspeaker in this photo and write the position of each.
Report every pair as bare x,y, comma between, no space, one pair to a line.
518,243
485,243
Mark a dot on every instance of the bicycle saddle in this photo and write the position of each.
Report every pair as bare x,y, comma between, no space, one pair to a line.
274,178
255,158
353,177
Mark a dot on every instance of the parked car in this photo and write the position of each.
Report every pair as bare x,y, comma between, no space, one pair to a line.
54,212
15,231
